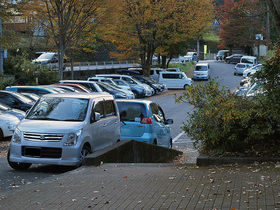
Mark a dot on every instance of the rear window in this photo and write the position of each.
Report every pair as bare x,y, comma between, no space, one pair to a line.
132,111
240,66
247,60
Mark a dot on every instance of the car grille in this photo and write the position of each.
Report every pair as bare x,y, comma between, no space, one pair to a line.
41,152
42,136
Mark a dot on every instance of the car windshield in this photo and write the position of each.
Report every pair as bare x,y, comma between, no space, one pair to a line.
132,111
59,109
190,54
23,98
201,68
4,107
240,66
46,56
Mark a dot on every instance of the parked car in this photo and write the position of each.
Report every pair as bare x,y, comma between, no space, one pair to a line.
77,86
9,110
222,54
201,71
190,56
139,91
16,100
32,96
128,93
240,68
8,123
130,80
68,88
174,69
106,88
78,125
109,81
235,58
155,85
252,70
250,61
38,90
92,86
175,80
50,59
144,120
154,73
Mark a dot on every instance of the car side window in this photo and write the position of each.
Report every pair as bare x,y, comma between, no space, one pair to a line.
99,108
157,112
110,108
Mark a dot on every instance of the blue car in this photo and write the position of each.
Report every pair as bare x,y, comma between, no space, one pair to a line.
144,120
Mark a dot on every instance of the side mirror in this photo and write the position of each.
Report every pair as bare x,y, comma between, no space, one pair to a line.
95,117
169,121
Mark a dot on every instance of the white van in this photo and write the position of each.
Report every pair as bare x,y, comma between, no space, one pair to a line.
201,71
62,128
154,73
249,60
175,80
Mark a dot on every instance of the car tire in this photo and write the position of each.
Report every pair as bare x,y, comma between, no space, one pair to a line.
186,87
227,61
170,144
1,135
155,142
84,152
17,166
136,94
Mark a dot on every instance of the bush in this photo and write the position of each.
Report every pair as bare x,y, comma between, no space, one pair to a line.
224,123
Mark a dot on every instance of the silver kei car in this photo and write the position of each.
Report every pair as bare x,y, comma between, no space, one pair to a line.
61,129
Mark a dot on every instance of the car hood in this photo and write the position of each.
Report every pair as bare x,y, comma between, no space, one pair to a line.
18,113
47,126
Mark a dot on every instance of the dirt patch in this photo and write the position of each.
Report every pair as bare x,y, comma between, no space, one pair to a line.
4,146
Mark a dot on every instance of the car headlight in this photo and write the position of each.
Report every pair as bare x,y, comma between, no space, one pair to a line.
16,137
72,138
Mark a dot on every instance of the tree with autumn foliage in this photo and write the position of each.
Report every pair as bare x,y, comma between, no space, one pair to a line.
67,22
138,28
240,22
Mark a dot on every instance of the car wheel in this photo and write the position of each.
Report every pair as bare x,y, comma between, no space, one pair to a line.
136,94
1,135
234,74
155,142
17,166
85,151
186,87
227,61
170,144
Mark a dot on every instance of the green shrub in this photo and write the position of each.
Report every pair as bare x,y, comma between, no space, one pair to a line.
222,122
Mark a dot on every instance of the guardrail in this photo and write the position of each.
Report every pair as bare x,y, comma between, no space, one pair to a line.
83,66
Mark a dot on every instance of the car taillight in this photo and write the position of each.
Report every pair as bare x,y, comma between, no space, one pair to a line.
146,120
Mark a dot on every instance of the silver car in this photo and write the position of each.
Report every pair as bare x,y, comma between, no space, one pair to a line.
61,129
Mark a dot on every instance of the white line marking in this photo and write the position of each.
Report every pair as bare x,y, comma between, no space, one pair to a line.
178,136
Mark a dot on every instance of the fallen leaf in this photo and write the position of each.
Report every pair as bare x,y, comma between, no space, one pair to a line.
125,177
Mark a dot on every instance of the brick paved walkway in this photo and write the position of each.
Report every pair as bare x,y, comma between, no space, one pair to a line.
152,186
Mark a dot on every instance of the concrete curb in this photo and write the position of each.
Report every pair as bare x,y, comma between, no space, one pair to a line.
131,151
204,160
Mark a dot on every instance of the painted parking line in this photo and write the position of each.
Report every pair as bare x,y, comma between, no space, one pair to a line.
178,136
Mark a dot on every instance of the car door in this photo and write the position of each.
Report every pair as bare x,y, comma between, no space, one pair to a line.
112,126
98,131
161,130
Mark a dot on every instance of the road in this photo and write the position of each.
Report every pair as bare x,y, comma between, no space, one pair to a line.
11,179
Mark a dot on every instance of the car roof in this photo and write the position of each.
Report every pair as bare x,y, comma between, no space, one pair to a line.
79,95
201,64
143,101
